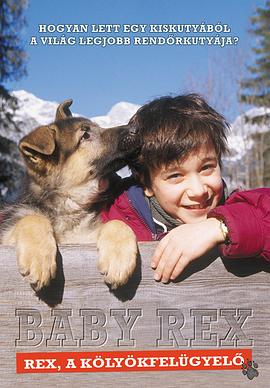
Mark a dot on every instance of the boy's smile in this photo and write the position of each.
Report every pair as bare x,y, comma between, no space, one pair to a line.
188,190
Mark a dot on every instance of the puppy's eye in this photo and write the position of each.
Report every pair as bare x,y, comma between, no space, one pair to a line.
85,136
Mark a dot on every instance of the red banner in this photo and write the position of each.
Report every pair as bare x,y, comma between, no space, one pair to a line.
129,361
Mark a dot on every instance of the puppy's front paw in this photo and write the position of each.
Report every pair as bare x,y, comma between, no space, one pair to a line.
38,261
36,250
117,248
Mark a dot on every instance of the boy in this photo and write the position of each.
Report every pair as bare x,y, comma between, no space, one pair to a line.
181,192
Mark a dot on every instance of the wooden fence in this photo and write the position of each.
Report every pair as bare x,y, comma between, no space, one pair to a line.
215,305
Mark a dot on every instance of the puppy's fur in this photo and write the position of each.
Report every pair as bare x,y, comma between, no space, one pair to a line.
67,164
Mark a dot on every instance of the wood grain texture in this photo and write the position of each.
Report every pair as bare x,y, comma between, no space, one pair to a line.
209,284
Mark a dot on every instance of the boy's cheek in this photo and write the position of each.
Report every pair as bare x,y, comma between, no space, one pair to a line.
216,183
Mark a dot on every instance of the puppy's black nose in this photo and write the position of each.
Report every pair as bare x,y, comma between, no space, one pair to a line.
132,130
129,144
130,140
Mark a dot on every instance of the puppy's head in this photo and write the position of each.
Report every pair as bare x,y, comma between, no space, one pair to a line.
73,150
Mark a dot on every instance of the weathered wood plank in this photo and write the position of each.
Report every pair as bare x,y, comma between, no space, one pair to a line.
210,286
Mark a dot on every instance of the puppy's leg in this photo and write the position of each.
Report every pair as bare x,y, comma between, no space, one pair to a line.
35,248
117,248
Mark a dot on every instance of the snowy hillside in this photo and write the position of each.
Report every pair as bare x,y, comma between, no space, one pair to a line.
241,125
119,114
33,107
238,140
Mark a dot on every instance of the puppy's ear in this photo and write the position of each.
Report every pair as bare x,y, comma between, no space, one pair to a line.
63,110
40,142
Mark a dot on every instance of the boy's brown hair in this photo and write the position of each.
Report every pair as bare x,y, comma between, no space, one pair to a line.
170,128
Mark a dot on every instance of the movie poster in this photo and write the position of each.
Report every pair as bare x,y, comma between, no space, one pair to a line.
210,325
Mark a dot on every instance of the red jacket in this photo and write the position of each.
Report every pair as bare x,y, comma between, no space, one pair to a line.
132,208
246,213
247,216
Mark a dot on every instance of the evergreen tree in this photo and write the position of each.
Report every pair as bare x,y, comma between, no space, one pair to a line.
12,55
257,87
12,67
256,92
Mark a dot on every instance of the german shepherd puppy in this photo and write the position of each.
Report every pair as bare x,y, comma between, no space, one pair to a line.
67,166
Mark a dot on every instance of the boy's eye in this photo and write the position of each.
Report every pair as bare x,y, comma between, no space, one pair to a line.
174,176
208,167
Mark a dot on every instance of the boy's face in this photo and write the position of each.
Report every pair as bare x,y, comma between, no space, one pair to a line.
187,191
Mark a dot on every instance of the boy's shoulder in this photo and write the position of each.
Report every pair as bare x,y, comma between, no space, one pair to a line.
128,204
251,195
119,185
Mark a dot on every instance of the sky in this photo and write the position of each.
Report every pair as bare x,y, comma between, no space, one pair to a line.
98,77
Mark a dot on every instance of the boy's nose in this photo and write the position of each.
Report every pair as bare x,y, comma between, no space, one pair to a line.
196,188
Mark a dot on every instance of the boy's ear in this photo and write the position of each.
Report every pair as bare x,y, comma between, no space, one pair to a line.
148,192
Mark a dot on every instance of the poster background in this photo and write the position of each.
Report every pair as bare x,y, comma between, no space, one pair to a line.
97,78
